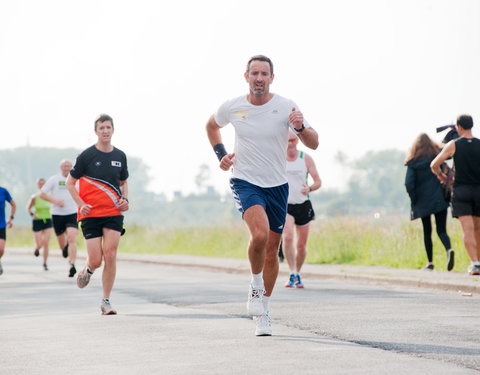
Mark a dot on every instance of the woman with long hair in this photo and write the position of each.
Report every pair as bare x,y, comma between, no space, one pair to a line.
427,196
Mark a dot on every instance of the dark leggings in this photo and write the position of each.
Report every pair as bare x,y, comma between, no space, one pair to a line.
441,224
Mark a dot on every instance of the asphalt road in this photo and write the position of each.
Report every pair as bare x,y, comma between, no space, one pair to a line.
187,320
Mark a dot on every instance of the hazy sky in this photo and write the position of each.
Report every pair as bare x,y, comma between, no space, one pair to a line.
366,74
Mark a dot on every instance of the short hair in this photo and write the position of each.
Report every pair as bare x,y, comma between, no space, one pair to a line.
102,118
260,58
465,121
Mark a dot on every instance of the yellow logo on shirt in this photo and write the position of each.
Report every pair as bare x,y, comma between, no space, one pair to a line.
241,115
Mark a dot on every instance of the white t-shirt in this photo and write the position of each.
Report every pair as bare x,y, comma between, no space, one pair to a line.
261,138
57,189
297,179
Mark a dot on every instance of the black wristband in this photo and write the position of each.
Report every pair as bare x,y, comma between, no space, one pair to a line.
220,151
32,214
299,130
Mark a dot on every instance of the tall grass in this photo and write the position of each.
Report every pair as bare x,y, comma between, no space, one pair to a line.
389,241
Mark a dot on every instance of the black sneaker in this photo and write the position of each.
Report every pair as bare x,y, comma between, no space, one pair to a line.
450,259
65,251
72,271
428,267
45,266
36,252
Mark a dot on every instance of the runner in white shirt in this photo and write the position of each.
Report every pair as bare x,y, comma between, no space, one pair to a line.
64,213
300,211
259,184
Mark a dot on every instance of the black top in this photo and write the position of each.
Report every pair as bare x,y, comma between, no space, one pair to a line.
427,195
467,161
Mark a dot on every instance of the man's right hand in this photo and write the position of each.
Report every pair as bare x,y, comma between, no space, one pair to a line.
227,162
85,209
59,203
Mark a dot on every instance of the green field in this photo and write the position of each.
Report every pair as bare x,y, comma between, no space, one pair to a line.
389,241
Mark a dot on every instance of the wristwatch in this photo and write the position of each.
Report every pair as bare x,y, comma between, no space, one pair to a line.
299,130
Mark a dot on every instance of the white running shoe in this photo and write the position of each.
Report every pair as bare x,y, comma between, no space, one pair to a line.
474,269
107,308
264,325
83,278
255,301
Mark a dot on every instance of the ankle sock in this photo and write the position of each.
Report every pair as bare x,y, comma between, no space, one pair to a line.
265,300
257,280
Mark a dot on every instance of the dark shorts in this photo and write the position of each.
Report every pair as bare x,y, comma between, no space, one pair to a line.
302,213
3,234
41,224
92,227
62,222
273,200
466,200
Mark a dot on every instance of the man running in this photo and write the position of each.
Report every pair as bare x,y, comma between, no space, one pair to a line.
39,210
4,224
102,196
259,184
300,210
466,186
64,213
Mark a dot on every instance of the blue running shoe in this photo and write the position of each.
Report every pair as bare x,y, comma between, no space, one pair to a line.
291,281
298,282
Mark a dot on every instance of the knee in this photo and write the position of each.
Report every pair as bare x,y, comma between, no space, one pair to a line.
288,238
259,238
110,255
94,262
302,249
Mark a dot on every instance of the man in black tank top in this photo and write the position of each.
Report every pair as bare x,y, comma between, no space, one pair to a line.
466,187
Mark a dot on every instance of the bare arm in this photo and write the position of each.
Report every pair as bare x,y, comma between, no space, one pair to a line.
446,153
124,204
84,208
312,171
215,138
308,136
30,204
50,199
12,213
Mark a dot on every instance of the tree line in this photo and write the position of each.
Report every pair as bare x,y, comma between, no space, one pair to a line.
375,184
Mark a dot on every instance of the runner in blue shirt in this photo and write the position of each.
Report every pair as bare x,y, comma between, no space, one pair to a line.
5,197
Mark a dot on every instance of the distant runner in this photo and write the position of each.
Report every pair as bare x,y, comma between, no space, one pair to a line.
64,213
300,211
39,210
5,197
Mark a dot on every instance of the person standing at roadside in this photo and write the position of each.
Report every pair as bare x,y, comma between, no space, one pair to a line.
101,171
259,183
64,213
4,224
427,197
39,210
465,151
300,211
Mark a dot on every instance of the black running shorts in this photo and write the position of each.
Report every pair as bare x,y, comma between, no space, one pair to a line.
41,224
466,200
302,213
92,227
62,222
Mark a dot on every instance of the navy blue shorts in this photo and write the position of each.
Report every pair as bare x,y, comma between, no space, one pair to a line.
273,200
